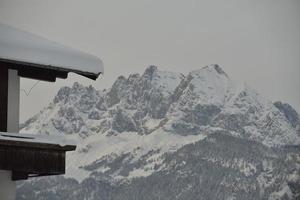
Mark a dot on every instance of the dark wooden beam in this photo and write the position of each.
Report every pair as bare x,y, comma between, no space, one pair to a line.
16,176
35,72
3,96
58,72
30,144
38,74
32,161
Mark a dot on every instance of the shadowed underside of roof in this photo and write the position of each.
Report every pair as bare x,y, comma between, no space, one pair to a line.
27,52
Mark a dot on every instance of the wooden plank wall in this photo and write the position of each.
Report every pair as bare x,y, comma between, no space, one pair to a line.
26,161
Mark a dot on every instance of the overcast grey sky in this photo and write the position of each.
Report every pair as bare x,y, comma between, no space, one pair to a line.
254,41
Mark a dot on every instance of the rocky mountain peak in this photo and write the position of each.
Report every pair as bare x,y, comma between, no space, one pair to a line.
121,80
76,91
218,69
149,72
163,127
205,97
207,85
213,70
289,112
133,78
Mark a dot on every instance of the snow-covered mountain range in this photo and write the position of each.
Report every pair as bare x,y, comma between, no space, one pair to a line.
164,135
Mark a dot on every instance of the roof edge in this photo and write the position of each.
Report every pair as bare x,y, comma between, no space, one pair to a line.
21,64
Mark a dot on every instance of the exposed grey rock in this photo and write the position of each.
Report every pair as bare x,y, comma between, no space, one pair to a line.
94,115
247,147
62,94
289,112
122,122
202,114
72,122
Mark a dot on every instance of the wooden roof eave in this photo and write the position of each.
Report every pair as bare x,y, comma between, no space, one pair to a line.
43,72
36,145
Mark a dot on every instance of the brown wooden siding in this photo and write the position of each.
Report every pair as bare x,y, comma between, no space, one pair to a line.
28,161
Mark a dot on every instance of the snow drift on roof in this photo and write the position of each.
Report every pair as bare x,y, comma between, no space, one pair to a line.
26,48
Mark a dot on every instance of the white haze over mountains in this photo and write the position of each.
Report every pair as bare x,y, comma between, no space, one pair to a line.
255,41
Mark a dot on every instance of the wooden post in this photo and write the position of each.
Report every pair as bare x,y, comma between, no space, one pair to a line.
13,104
3,97
9,121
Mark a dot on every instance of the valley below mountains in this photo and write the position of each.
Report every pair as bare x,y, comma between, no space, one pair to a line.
170,136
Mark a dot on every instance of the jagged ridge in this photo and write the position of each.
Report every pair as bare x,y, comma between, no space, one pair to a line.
126,131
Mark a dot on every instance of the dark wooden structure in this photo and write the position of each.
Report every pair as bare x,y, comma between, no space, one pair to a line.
42,72
27,156
3,97
23,54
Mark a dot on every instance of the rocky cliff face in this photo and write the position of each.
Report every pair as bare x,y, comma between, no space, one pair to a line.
163,135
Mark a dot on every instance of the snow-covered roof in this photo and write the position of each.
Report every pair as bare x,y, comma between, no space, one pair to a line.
21,47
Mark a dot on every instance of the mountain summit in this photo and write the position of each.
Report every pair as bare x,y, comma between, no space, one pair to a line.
204,99
164,131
